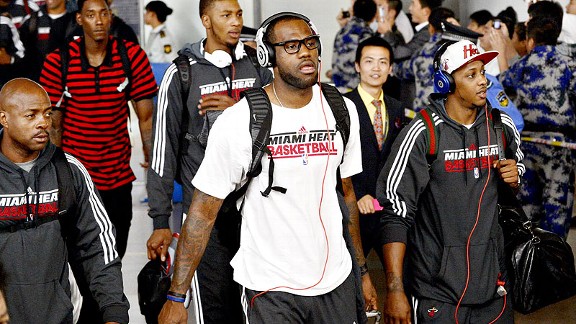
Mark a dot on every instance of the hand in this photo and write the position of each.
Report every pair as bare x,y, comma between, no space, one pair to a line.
340,18
498,38
453,21
396,308
385,25
158,243
366,205
214,102
5,58
369,292
508,171
173,313
146,162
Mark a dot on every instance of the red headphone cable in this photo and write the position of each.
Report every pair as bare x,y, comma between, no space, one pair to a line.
319,208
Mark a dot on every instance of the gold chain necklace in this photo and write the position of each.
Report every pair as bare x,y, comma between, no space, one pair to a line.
275,95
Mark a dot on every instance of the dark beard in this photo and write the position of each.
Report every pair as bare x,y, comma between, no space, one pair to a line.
297,82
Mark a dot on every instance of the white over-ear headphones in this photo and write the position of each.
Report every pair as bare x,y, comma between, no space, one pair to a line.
265,51
222,59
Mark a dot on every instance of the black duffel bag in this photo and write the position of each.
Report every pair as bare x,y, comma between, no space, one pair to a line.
540,264
153,285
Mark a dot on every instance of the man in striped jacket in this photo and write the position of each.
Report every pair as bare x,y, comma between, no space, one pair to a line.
90,86
91,107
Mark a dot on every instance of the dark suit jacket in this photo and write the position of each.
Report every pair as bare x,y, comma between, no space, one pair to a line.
373,159
405,51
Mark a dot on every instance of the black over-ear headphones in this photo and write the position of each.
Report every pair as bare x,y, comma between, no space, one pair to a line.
443,81
264,50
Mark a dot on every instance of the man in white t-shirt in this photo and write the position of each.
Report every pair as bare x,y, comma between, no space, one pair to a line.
293,263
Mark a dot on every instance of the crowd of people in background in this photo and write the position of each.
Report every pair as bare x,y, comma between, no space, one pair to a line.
419,88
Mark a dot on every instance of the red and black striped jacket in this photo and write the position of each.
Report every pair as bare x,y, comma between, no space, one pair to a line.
94,117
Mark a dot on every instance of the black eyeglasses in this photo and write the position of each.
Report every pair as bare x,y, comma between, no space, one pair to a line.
293,46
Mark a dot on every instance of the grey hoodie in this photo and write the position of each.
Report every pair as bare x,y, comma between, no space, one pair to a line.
36,259
206,79
433,208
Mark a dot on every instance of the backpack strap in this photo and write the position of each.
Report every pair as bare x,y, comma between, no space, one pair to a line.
126,66
66,191
339,110
260,127
33,24
64,64
500,133
425,115
182,63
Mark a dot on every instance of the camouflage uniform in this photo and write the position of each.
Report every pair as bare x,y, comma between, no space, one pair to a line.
568,50
420,68
343,72
542,80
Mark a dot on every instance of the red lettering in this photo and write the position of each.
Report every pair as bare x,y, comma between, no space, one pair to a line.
469,50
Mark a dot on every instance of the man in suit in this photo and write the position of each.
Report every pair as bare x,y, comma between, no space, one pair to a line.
420,10
381,118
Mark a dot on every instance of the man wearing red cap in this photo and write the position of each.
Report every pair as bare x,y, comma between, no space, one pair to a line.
440,200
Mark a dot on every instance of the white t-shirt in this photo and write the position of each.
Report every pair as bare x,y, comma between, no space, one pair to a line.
282,238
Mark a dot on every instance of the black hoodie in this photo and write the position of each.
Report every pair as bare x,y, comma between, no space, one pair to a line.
434,208
35,259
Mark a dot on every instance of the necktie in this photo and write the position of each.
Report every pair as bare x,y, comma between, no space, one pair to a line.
378,125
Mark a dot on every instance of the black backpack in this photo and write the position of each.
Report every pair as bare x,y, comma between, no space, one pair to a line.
229,216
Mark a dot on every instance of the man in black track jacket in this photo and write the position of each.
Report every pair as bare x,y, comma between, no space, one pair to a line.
220,67
33,224
440,202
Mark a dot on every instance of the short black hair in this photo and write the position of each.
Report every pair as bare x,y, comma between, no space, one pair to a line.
520,30
364,9
204,4
544,30
550,9
509,17
269,34
481,17
396,5
430,3
438,15
82,2
160,9
374,41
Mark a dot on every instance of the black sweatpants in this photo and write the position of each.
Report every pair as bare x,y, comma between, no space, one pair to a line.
337,306
118,205
219,293
433,311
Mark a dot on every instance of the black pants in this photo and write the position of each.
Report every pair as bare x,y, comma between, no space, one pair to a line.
369,234
433,311
118,205
219,293
337,306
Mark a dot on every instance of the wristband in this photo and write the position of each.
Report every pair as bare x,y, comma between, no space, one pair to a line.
175,299
363,269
